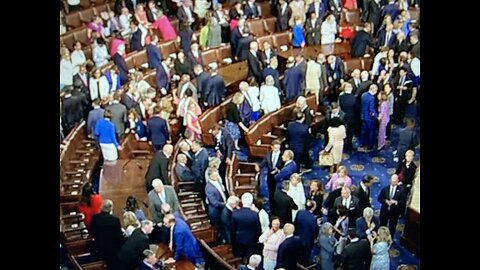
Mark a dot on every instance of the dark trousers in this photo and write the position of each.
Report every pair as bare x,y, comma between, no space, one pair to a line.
367,137
389,217
244,251
303,158
389,128
272,185
350,130
305,260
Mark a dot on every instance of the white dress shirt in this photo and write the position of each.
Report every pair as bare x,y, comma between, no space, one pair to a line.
66,72
100,56
415,66
78,58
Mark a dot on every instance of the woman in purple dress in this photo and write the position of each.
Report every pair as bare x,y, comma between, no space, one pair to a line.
383,118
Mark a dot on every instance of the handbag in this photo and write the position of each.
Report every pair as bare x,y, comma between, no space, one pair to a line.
325,159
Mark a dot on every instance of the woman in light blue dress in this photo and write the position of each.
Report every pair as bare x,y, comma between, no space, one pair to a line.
380,244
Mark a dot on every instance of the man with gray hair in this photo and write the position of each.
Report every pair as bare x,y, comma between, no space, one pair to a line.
226,219
348,102
161,194
107,230
253,262
367,223
131,253
216,89
254,65
246,228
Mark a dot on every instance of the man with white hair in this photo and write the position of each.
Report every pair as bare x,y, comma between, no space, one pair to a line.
226,219
216,89
348,102
161,194
302,106
297,192
253,262
131,253
289,251
351,204
254,66
246,228
355,80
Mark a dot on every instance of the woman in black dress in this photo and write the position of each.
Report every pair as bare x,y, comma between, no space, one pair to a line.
234,121
316,195
182,65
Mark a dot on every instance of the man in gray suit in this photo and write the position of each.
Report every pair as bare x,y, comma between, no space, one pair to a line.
119,115
350,202
160,195
93,116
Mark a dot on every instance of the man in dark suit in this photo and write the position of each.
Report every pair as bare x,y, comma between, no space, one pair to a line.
313,29
202,82
183,172
131,253
199,165
130,100
335,75
226,219
267,54
157,131
317,7
251,10
93,116
108,234
307,229
215,194
122,66
163,76
369,118
362,40
347,103
403,95
392,197
185,15
362,192
216,90
284,204
159,196
158,167
351,204
289,250
236,35
136,38
243,45
386,37
290,167
245,228
185,243
119,115
357,254
154,53
333,112
367,223
253,262
298,138
372,13
150,261
295,80
254,65
328,208
72,108
84,77
390,9
284,13
272,163
336,8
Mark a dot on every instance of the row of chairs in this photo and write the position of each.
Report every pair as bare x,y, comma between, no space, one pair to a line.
83,17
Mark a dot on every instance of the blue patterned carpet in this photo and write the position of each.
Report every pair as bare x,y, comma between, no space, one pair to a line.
375,163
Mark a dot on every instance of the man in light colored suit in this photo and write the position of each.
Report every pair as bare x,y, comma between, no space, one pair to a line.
161,194
119,115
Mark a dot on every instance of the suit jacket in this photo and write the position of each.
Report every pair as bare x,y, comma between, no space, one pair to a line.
195,60
369,113
398,196
372,13
186,245
293,79
85,87
154,55
226,225
122,67
267,161
338,72
246,227
184,173
215,91
234,38
72,108
360,43
226,144
347,105
320,11
158,168
363,198
155,204
157,130
202,81
288,253
285,173
284,205
353,212
298,136
313,31
254,67
276,77
356,256
243,47
382,35
107,230
361,226
200,165
131,253
182,15
119,116
262,55
251,12
215,201
392,10
163,78
128,101
136,41
93,116
306,227
283,18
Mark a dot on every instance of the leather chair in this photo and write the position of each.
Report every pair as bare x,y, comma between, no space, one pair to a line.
367,63
81,35
352,64
256,27
101,8
209,56
209,118
270,25
266,9
140,58
280,39
86,15
73,19
224,52
353,17
168,48
68,40
86,3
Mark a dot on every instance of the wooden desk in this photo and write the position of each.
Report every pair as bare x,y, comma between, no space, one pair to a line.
340,49
234,73
164,253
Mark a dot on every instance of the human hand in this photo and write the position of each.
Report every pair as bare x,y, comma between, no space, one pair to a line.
119,148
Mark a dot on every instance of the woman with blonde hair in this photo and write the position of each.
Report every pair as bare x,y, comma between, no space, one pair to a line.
383,119
339,179
269,96
234,121
130,222
380,244
336,135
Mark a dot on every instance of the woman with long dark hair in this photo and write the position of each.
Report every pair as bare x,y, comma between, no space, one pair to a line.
90,203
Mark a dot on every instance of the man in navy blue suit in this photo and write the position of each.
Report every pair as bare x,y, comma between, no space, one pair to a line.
202,82
347,102
392,197
183,172
215,193
245,228
253,262
226,219
122,66
289,250
157,130
272,163
136,39
367,223
216,90
307,229
150,261
153,53
391,9
386,37
199,165
298,138
163,76
93,116
335,75
294,80
316,7
369,118
252,11
284,204
288,169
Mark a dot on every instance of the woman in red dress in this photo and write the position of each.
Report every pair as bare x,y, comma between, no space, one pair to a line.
90,203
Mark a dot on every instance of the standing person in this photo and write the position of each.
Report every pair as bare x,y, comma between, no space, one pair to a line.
336,134
307,229
272,164
339,179
406,173
289,250
234,121
269,96
226,219
392,197
383,119
119,115
316,195
407,140
246,228
90,203
157,130
105,134
356,255
298,138
362,192
313,29
158,167
380,244
284,204
298,38
329,30
131,205
369,118
284,15
271,240
131,253
347,102
327,244
366,224
216,198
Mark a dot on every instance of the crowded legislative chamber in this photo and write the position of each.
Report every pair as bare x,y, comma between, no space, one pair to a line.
240,134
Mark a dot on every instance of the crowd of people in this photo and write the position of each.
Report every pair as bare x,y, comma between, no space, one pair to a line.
280,227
